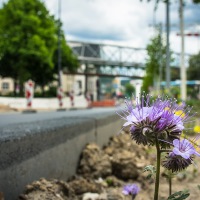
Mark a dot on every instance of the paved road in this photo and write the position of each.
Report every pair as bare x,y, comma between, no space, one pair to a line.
7,119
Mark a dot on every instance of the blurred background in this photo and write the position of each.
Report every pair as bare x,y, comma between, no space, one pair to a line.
100,50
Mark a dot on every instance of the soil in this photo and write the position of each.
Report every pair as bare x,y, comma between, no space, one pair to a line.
102,177
5,109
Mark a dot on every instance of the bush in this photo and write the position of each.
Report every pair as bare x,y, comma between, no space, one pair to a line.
129,90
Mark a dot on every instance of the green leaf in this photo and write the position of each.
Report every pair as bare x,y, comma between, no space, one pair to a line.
151,169
198,187
179,195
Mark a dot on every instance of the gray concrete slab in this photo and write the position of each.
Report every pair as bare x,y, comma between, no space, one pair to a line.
49,145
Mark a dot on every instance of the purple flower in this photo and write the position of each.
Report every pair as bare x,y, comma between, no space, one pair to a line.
131,189
182,154
137,115
149,119
184,148
176,163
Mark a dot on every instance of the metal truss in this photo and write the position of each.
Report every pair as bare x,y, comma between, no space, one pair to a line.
114,60
109,55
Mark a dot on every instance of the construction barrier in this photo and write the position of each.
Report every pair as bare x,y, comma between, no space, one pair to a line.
29,91
88,98
60,96
103,103
71,96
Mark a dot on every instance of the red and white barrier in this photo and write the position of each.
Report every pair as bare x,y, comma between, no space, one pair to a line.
60,96
71,96
88,98
29,91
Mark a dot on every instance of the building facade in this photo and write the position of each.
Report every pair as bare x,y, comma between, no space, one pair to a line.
6,85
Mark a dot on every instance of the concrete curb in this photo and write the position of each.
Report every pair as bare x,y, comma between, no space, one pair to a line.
49,148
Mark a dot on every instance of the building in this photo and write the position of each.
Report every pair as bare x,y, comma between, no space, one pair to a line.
6,85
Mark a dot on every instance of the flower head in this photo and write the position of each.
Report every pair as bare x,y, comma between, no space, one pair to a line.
182,155
176,163
184,148
131,189
161,118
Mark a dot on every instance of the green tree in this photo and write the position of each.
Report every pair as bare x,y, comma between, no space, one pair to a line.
154,63
28,42
129,90
28,37
193,72
69,61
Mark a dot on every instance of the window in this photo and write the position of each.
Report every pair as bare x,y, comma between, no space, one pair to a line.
79,84
5,86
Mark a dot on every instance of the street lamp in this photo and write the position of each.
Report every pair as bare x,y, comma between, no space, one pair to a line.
59,89
59,44
182,64
167,46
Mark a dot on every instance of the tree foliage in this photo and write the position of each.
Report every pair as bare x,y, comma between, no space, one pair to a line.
129,90
174,72
193,72
27,34
68,61
28,42
155,62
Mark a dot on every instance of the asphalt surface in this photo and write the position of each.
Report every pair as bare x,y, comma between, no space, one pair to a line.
7,119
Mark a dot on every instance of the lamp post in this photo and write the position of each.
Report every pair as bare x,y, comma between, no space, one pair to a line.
167,47
160,58
59,89
59,44
182,64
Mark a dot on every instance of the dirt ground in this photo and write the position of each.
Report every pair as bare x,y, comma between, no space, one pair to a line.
6,109
186,180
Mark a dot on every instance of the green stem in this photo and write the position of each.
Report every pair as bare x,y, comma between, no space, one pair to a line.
170,185
157,170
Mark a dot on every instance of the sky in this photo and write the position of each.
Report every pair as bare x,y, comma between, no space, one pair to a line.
126,22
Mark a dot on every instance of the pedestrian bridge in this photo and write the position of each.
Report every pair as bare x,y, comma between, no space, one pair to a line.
110,60
115,60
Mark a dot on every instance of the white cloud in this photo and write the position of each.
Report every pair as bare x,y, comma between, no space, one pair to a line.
121,21
124,21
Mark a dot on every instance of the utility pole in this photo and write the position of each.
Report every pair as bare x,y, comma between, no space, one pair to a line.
182,63
168,78
59,44
160,58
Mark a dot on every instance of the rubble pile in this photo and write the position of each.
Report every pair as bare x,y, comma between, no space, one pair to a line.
101,173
